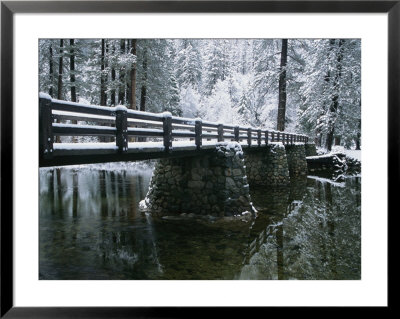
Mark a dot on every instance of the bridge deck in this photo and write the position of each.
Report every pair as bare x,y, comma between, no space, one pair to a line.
171,136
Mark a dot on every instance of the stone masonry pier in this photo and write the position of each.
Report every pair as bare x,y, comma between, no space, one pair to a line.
217,183
268,166
212,184
296,158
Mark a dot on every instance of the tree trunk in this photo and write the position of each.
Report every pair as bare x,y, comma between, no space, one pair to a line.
317,140
358,139
337,140
335,98
51,72
143,90
103,81
132,98
329,140
72,69
282,87
60,71
113,75
358,142
121,89
72,76
60,83
103,94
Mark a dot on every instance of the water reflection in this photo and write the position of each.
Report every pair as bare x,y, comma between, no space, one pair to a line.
317,235
91,228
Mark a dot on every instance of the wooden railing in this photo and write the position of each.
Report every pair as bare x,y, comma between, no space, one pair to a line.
123,124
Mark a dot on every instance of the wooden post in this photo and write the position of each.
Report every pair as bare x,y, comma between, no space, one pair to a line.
259,137
283,138
249,136
121,125
167,128
291,138
46,137
198,131
236,132
279,135
266,137
220,132
272,136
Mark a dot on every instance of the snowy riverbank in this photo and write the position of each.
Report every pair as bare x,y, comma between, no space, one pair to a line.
356,154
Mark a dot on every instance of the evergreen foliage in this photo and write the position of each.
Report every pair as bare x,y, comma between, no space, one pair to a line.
226,80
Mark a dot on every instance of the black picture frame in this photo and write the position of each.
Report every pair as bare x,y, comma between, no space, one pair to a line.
9,8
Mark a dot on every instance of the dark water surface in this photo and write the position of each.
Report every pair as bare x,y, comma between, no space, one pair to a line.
90,227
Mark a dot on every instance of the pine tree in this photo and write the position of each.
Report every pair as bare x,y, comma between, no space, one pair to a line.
188,62
229,80
217,61
72,69
132,73
331,91
282,88
143,90
103,75
51,71
60,71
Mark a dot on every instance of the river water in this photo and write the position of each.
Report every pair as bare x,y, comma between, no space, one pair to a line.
90,227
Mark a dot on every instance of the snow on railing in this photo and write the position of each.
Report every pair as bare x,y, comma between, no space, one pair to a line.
130,127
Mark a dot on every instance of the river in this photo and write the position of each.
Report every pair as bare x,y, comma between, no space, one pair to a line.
91,227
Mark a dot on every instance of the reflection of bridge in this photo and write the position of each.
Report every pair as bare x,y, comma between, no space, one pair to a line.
121,124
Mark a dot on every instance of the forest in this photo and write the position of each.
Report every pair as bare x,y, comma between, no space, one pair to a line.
305,86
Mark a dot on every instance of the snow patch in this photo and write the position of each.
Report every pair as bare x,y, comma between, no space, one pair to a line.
356,154
326,180
121,108
166,114
79,146
44,96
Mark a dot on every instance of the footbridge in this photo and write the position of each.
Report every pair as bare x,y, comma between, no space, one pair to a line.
204,167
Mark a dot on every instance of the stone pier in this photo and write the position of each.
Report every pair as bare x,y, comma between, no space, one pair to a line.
216,183
212,184
296,158
267,166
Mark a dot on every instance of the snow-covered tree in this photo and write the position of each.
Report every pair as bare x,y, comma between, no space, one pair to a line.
189,63
331,90
226,80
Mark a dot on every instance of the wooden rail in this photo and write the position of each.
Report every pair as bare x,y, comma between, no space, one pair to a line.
171,135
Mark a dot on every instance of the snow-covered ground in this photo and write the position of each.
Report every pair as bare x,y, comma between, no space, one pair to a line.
356,154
